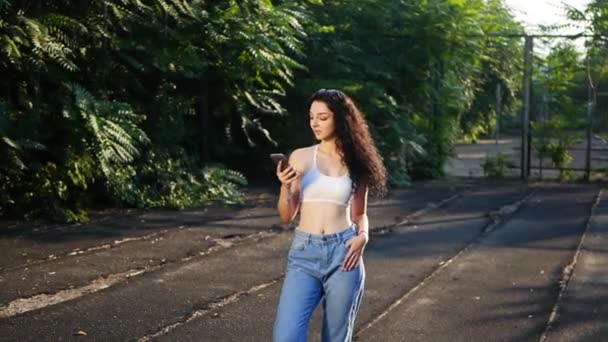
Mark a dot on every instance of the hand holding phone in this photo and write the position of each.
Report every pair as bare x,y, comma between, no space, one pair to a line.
285,172
280,158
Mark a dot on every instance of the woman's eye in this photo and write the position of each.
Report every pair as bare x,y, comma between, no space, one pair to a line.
320,118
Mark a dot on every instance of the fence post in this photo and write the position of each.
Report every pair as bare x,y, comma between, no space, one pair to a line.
590,103
525,150
498,98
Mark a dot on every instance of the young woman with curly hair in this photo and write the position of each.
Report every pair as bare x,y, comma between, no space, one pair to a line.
328,183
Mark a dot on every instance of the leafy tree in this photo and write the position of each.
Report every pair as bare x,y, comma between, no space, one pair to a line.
593,20
104,85
418,69
147,103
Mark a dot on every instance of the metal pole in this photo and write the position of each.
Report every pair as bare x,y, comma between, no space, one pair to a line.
526,112
203,105
436,111
498,98
589,129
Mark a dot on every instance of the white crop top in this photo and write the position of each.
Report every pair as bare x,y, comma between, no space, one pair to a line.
317,187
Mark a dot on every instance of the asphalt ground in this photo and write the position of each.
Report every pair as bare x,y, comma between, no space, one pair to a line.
447,261
504,287
75,256
582,313
395,261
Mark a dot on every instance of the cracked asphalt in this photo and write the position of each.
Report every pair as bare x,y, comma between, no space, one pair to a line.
454,260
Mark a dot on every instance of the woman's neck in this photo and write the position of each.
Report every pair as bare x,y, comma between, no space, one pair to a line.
330,148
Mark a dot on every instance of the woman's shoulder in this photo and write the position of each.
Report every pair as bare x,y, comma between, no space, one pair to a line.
300,157
299,152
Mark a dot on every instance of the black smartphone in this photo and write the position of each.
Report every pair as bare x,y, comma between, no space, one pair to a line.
276,157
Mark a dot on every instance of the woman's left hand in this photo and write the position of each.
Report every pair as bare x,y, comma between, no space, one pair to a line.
355,246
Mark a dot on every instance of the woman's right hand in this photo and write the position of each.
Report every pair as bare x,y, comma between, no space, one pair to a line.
287,176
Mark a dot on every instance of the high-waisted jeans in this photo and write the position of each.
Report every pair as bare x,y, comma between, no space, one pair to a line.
314,274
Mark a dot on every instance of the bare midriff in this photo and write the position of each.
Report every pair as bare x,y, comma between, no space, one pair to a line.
324,217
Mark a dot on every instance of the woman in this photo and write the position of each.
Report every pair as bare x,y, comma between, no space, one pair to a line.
328,183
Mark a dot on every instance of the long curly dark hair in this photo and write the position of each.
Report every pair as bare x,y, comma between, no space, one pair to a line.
354,141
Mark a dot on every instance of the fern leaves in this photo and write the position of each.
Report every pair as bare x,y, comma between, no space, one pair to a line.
112,127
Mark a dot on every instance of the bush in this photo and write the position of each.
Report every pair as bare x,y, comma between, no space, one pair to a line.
497,166
174,180
556,137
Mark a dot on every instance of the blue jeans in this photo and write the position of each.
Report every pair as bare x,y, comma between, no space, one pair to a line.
314,274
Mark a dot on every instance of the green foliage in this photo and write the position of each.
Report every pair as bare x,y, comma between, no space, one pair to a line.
222,185
173,181
13,145
593,20
561,106
554,139
131,103
110,128
50,191
497,166
428,59
556,80
251,50
498,63
103,84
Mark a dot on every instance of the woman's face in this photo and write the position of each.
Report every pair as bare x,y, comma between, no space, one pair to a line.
322,121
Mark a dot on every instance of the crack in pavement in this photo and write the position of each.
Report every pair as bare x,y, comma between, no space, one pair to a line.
379,230
498,217
79,251
569,269
21,305
39,301
387,229
233,298
429,207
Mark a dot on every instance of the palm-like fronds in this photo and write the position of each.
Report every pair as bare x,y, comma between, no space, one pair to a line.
28,41
112,127
257,57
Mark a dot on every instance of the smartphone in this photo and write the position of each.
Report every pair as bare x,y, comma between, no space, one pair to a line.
276,157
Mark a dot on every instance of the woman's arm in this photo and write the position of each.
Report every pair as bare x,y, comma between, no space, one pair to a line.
358,211
358,215
289,197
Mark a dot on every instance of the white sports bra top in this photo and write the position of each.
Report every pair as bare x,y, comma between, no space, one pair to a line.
317,187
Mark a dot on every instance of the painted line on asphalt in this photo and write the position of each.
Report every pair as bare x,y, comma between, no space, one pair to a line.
497,218
22,305
429,207
105,246
39,301
233,298
79,251
386,229
568,271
